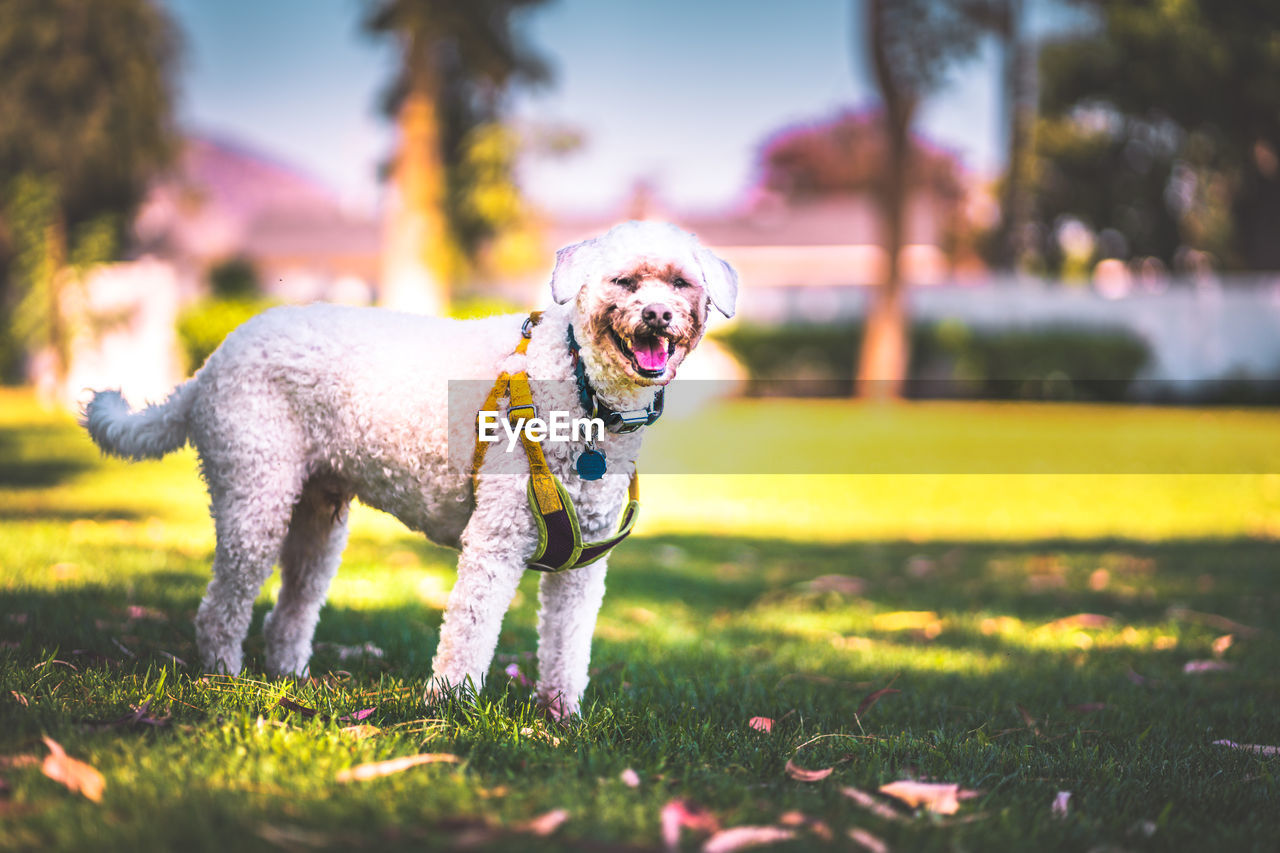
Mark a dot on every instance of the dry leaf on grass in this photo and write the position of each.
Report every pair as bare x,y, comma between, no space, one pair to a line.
74,774
742,837
842,584
802,775
866,840
1223,643
373,770
761,724
1088,707
871,804
869,701
544,824
290,705
937,797
630,778
1060,803
681,814
1195,667
1081,620
292,837
1260,749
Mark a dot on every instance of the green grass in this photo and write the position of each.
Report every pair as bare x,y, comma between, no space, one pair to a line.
711,619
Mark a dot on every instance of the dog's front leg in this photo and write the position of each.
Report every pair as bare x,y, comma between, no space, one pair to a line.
569,603
489,571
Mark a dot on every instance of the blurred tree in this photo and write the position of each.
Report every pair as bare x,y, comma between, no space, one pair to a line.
846,155
86,103
911,44
451,184
1163,126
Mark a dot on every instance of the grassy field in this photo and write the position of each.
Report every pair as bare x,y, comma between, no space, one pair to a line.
1045,633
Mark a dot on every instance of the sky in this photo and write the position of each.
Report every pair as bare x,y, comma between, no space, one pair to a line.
677,93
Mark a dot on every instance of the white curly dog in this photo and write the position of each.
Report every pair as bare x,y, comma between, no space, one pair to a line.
303,408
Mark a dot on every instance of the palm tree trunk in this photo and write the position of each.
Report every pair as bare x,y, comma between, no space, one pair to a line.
882,365
416,245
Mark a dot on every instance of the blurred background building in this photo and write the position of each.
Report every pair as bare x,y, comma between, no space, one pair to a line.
1019,198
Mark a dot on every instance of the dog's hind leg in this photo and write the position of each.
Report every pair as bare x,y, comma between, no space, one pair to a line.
251,529
308,561
566,620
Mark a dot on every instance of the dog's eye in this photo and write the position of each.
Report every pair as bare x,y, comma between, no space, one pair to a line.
625,281
680,282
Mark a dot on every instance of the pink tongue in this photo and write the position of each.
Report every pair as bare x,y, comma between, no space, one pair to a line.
651,355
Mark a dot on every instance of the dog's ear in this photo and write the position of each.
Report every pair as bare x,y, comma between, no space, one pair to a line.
720,279
573,263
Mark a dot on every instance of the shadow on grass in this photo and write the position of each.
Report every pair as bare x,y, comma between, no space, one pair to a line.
30,459
734,620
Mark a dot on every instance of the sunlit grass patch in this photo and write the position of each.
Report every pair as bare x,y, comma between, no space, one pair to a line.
1021,636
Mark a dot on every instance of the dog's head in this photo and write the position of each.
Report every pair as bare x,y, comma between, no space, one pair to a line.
641,295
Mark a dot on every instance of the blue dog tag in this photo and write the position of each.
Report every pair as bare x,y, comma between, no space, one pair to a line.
590,465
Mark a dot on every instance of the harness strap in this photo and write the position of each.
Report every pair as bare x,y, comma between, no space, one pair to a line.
560,545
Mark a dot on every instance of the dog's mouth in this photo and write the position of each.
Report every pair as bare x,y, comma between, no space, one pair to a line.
647,352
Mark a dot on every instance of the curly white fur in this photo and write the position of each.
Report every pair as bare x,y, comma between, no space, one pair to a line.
303,408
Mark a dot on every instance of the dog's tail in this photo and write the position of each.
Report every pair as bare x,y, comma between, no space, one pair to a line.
148,434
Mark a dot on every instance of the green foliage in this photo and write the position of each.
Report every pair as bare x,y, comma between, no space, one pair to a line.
32,212
202,328
464,56
947,359
102,565
235,279
1163,124
86,100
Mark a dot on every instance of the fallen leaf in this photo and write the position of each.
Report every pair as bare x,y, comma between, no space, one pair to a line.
761,724
742,837
289,704
871,804
1195,667
1081,620
868,841
630,778
1059,807
842,584
938,797
291,837
357,716
869,701
19,698
544,824
1249,747
1028,719
74,774
681,814
137,611
1088,707
359,731
19,760
138,716
373,770
1213,620
1223,643
802,775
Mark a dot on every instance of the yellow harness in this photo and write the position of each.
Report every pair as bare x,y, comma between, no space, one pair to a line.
560,545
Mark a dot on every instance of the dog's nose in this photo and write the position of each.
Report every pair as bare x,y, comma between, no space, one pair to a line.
657,315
